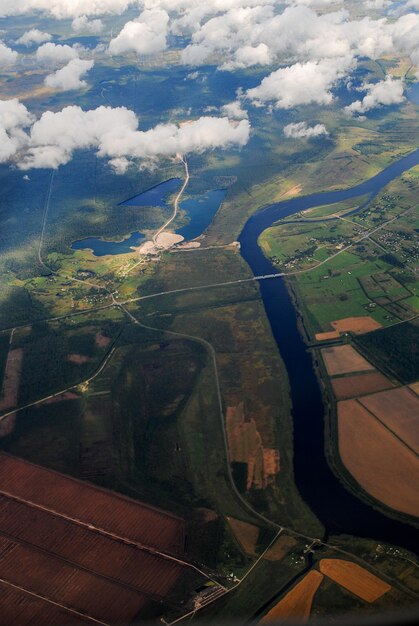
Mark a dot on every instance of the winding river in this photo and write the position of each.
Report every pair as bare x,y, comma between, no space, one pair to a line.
339,510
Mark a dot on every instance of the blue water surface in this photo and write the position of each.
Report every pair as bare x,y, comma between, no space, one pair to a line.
100,247
155,196
200,211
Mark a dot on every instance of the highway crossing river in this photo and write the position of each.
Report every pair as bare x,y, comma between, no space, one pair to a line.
337,508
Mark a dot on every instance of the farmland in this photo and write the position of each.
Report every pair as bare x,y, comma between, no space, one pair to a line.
381,463
93,553
345,387
296,604
356,579
339,271
344,360
180,399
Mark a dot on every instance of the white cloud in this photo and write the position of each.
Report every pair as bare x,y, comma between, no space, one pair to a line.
33,36
69,77
301,130
384,93
234,110
301,83
146,35
84,25
56,54
14,117
62,9
7,55
114,133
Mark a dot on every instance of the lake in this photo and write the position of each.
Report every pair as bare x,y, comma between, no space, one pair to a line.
200,212
101,247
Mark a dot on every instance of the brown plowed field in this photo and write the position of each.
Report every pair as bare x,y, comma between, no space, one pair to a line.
344,360
333,334
246,534
357,325
356,579
378,461
398,409
86,548
10,388
280,548
82,591
92,505
359,385
79,565
296,605
19,607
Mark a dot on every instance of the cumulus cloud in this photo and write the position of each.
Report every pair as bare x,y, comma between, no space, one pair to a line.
14,118
62,9
301,130
33,36
235,111
84,25
301,83
69,77
114,134
146,35
7,55
384,93
56,54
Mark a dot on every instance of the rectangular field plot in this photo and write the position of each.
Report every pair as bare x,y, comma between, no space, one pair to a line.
356,579
91,505
21,607
398,409
380,463
344,360
359,385
82,591
57,563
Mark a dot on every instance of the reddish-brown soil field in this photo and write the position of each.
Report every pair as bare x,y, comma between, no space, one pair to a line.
91,505
356,579
11,380
333,334
398,409
102,341
87,548
19,607
296,605
246,446
78,359
78,567
359,385
357,325
378,461
344,360
61,582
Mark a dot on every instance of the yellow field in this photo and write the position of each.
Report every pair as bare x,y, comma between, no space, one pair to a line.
355,578
296,605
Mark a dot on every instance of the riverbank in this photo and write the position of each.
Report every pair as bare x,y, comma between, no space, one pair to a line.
338,509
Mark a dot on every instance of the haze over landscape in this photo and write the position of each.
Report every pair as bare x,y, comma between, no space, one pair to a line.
209,298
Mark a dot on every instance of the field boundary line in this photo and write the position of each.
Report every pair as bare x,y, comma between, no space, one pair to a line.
374,416
101,531
49,601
